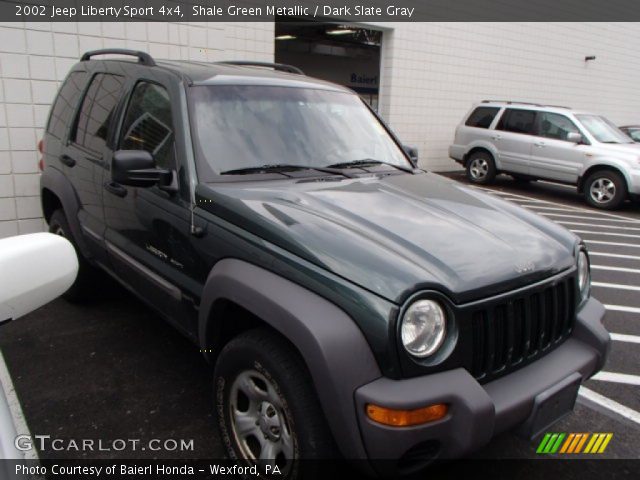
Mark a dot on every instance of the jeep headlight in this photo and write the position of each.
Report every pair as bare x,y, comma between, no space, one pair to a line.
584,275
423,328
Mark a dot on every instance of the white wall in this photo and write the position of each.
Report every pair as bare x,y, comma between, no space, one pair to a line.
35,57
433,72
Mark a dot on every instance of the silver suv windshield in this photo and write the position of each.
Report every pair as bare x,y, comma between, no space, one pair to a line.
243,127
602,129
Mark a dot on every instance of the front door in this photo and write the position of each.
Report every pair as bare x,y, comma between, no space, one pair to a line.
148,236
554,157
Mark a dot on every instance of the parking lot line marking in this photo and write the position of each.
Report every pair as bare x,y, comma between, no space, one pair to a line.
608,234
617,378
610,405
622,308
551,209
578,209
615,244
613,255
615,269
570,209
617,286
621,337
580,224
17,415
582,217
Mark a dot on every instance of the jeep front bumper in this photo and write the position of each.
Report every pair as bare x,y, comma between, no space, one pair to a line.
477,412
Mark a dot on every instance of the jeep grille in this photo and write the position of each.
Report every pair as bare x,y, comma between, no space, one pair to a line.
522,328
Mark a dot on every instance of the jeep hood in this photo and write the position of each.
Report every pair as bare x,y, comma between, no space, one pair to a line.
398,234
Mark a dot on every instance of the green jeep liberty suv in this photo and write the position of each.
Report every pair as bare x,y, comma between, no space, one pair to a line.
351,302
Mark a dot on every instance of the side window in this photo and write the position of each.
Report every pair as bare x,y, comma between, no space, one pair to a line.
635,135
517,121
148,124
97,109
65,104
554,125
482,117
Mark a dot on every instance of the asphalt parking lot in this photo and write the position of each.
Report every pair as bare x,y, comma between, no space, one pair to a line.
112,369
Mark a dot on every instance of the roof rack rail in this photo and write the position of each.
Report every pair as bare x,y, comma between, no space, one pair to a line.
143,57
515,102
276,66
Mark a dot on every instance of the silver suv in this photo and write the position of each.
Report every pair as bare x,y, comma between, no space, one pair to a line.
530,142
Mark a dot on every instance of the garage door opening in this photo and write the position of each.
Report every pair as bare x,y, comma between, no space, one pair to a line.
343,54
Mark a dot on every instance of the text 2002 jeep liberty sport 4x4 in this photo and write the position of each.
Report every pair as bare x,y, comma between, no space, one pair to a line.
347,298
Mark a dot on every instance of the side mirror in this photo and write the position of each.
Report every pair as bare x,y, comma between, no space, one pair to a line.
34,269
575,137
412,152
138,169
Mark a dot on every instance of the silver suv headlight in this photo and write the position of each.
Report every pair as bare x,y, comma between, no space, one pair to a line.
584,275
423,328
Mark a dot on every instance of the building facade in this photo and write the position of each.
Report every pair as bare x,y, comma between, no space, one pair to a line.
426,77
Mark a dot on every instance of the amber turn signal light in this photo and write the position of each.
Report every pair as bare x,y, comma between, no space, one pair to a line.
406,418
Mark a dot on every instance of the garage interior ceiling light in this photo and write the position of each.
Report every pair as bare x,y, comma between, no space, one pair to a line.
286,37
340,31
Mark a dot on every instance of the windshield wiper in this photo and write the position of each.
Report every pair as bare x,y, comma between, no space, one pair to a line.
280,168
368,162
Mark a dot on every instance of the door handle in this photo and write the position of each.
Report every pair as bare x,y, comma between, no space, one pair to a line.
539,144
496,137
116,189
68,161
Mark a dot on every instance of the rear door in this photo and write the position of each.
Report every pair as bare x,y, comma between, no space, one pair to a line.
513,137
554,157
87,153
476,128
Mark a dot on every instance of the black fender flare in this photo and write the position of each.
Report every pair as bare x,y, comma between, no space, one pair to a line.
56,182
335,351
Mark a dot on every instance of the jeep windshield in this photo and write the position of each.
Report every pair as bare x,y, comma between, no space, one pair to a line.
602,129
240,128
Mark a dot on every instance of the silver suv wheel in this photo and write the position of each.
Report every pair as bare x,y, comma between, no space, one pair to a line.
258,420
479,168
602,190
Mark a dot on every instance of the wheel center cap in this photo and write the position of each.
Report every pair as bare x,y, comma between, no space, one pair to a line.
269,421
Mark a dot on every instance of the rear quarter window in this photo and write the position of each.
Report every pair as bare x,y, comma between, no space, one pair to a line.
482,117
65,104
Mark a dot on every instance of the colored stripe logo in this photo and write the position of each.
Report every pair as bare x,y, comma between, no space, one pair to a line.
568,443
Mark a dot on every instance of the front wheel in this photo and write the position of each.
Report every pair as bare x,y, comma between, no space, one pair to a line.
481,168
605,189
266,406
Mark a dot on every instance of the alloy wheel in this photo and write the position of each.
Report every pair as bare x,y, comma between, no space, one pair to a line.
602,190
479,168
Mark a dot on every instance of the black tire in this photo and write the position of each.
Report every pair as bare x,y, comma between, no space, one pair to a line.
605,189
263,356
481,168
83,288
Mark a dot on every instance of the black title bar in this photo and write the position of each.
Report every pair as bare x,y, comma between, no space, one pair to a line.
340,10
